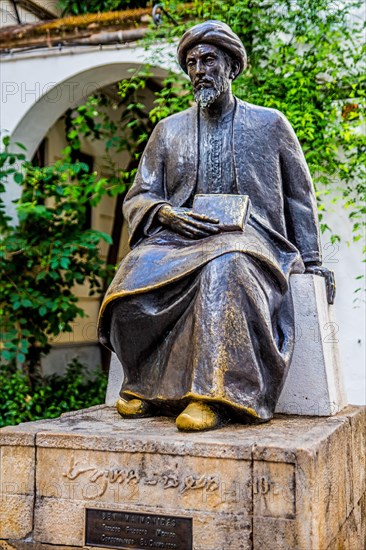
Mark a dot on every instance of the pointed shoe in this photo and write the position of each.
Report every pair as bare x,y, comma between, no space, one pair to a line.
133,408
198,417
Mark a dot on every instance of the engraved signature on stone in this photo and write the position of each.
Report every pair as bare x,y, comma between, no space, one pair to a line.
210,483
114,474
111,475
166,480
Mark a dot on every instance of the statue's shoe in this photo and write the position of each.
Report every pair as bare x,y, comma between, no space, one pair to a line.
134,408
198,416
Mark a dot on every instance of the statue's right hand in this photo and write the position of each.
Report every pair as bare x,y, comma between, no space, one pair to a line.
187,223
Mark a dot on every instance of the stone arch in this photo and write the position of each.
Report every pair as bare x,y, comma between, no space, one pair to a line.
57,99
38,88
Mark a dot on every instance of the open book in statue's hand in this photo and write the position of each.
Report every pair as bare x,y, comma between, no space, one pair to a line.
232,211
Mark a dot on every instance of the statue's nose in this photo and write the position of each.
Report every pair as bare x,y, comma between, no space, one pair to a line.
200,67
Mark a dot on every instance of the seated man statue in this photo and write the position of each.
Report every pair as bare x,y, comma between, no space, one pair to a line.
202,318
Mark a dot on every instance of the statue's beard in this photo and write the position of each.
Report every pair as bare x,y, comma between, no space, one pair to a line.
205,97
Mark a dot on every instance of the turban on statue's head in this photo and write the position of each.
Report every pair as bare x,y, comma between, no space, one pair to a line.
216,33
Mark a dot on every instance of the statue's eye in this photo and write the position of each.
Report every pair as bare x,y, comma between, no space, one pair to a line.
190,63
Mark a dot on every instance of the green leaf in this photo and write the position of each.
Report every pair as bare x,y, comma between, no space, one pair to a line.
65,262
21,145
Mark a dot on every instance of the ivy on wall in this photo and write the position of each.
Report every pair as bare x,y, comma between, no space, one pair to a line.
45,254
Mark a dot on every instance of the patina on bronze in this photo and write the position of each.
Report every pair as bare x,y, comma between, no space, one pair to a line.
202,319
118,529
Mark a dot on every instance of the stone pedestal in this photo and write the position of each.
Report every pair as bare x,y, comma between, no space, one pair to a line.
295,483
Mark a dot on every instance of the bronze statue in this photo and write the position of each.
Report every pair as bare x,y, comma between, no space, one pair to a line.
202,318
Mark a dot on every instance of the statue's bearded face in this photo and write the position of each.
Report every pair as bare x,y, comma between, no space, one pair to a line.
210,71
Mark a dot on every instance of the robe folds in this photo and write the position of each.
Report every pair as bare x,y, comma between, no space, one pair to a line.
212,318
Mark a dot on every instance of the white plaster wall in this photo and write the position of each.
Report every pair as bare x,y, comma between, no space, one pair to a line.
47,82
345,258
38,87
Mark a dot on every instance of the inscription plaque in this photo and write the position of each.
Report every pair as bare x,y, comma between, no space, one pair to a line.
123,530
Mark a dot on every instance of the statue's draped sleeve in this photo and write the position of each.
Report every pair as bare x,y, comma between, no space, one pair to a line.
147,194
298,194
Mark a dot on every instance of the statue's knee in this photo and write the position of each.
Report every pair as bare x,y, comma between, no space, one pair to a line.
231,263
225,267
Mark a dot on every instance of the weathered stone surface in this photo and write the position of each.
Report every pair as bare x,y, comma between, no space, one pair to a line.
314,385
212,531
275,533
324,494
294,483
362,528
358,455
352,534
21,545
16,516
163,481
326,465
17,465
274,486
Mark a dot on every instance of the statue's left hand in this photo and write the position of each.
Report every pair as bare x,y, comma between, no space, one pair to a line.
328,275
187,223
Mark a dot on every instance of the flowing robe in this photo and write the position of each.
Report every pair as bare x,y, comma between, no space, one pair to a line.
212,318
